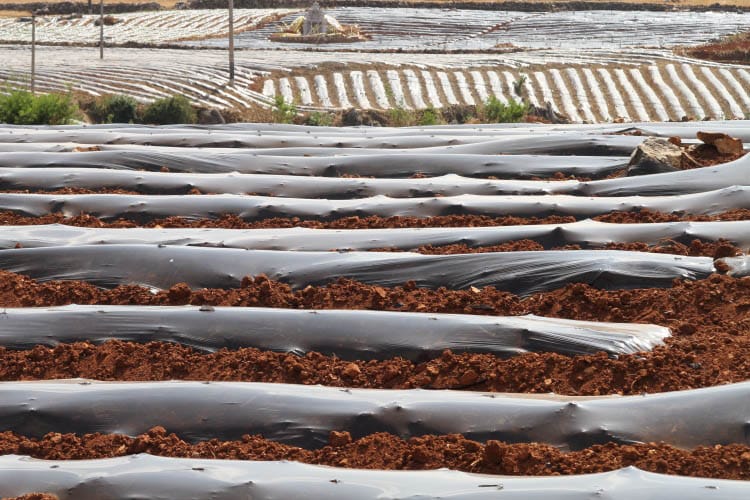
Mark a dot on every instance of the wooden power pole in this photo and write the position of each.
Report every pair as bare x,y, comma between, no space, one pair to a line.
231,42
101,29
33,49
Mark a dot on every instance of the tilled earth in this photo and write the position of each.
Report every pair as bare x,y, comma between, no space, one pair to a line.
371,222
709,346
385,451
709,321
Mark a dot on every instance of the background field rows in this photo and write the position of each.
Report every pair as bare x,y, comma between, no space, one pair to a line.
593,94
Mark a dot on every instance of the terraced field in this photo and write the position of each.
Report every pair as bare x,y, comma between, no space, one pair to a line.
385,302
456,29
624,78
586,86
640,93
137,27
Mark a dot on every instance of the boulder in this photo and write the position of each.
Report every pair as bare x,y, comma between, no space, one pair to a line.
655,155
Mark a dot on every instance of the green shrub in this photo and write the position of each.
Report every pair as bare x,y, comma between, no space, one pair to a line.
319,119
496,111
170,110
283,112
20,107
114,109
430,116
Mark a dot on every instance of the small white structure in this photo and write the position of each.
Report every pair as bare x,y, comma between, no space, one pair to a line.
315,21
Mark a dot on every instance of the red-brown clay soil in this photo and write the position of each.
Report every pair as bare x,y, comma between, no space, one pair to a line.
33,496
706,155
388,452
697,248
710,321
372,222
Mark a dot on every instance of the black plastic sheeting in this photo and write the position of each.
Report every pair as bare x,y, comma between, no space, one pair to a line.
159,478
521,273
262,184
343,333
145,208
305,415
587,233
309,162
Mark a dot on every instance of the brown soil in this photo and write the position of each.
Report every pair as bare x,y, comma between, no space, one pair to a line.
70,190
388,452
646,216
33,496
372,222
710,320
697,248
706,155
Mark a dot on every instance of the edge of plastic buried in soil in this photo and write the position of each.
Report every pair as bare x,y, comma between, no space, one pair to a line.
586,233
346,334
198,411
521,273
186,478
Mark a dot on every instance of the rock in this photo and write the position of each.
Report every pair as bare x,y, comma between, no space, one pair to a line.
337,439
655,155
210,117
723,143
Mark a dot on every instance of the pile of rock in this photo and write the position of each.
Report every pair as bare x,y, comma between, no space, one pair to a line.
657,155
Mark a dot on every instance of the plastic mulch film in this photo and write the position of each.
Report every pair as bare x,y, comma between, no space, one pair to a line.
686,181
320,142
586,233
738,266
304,415
521,273
379,163
344,333
144,208
147,476
35,179
295,186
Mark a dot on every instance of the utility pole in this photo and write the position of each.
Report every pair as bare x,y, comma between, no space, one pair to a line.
231,42
101,29
33,49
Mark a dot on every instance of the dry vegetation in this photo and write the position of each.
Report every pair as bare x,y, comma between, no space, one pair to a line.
731,49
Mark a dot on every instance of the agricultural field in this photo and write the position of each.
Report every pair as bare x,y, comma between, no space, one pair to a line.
266,293
590,66
552,308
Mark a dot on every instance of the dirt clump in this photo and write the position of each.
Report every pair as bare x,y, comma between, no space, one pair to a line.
709,319
384,451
